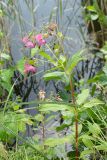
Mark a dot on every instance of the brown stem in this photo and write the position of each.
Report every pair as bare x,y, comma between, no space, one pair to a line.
76,119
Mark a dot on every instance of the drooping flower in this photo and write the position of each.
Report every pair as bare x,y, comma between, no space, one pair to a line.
25,39
40,40
30,44
29,68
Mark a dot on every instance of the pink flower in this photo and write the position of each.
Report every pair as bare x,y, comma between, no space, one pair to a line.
30,44
25,39
40,40
29,68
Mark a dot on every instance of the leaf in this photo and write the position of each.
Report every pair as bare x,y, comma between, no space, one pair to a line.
47,56
88,143
16,123
20,65
79,128
57,75
39,117
73,61
91,8
6,75
85,153
5,56
82,97
101,78
16,107
94,16
52,142
61,127
102,147
3,152
94,128
92,103
34,51
54,107
104,48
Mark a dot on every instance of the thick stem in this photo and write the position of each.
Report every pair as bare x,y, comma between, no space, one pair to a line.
76,119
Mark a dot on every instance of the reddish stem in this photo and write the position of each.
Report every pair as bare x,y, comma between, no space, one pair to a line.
76,119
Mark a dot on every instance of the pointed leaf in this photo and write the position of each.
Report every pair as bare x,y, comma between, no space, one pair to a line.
82,97
73,61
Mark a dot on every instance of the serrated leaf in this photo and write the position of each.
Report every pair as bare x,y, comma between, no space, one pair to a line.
94,128
52,142
102,147
88,143
82,97
85,153
54,107
92,103
57,75
73,61
47,56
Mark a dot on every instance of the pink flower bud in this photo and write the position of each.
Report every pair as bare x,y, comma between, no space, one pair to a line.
40,40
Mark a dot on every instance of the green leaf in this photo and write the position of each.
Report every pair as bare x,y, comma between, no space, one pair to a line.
54,107
79,128
52,142
88,143
5,56
102,147
20,65
3,152
94,128
16,107
91,8
57,75
34,51
82,97
61,127
39,117
104,48
92,103
6,75
85,153
47,56
94,16
73,61
101,78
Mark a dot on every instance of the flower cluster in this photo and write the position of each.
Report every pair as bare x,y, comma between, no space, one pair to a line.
31,42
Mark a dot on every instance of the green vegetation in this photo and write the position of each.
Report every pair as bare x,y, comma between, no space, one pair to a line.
68,121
